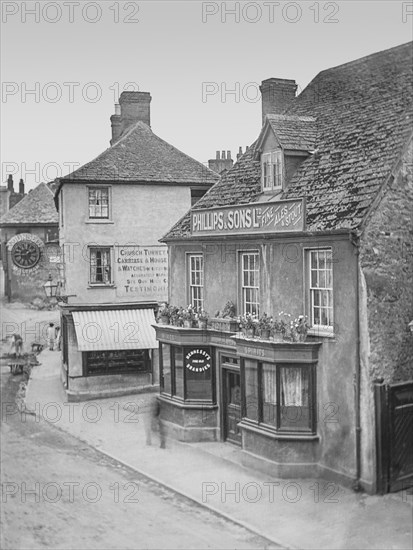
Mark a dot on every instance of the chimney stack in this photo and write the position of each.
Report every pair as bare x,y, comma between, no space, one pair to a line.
21,186
221,162
10,185
133,107
276,95
239,154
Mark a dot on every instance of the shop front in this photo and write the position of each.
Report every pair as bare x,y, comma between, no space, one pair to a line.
253,393
108,350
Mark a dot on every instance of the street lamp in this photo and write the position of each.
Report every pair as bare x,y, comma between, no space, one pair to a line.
50,288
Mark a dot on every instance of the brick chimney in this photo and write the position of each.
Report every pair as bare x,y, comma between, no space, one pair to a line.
221,162
133,107
21,186
276,95
10,184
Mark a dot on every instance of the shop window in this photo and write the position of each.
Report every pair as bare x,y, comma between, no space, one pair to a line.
98,202
196,280
116,362
272,170
250,286
280,397
165,360
100,266
186,373
321,288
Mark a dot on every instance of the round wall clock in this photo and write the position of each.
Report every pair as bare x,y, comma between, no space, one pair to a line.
26,254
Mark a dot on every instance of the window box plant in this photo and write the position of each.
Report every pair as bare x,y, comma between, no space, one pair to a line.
202,318
248,323
280,327
164,314
225,320
299,329
264,326
188,316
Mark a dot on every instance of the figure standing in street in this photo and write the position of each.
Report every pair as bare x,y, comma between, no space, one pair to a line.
58,338
151,416
51,335
16,345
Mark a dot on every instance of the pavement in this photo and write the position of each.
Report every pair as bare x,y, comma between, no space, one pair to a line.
293,513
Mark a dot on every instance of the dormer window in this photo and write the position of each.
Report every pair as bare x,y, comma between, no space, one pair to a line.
272,170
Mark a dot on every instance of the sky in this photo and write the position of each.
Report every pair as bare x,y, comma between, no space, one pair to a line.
64,65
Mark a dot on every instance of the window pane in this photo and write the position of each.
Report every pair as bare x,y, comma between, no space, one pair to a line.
199,384
251,389
295,398
166,368
179,372
269,394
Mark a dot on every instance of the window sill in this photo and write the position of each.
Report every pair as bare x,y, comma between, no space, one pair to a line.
321,332
97,220
272,434
188,404
97,285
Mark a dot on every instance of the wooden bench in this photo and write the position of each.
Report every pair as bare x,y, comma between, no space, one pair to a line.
16,368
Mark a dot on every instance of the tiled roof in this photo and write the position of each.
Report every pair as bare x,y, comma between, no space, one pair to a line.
37,207
294,132
364,115
141,156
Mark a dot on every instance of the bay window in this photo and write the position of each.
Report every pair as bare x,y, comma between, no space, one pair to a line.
186,373
279,396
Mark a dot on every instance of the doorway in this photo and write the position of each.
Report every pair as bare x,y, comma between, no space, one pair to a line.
231,405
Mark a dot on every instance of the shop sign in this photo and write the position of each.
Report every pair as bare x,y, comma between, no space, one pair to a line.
142,272
197,360
258,217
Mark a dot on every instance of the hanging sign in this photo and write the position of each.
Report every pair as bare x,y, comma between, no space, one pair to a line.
258,217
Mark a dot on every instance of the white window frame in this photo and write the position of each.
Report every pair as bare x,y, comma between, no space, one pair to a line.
195,265
324,287
244,288
110,282
272,170
99,188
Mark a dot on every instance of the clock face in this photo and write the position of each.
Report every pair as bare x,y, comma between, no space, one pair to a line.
25,254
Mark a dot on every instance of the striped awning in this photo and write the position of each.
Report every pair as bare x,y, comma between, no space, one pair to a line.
115,329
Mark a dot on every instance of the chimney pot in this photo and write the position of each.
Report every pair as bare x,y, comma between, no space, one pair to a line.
21,186
10,185
117,109
218,155
223,155
228,154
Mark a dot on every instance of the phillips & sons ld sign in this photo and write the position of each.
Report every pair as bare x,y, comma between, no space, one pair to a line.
256,217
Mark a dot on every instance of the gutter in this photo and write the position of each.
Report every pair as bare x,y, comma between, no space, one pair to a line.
354,239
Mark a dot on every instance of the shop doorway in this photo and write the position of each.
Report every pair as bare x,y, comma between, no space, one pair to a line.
231,405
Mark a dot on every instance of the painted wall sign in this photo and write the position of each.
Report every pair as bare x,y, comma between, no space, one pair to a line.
257,217
141,272
26,252
198,360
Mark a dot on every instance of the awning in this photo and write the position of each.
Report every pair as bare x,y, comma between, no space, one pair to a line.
115,329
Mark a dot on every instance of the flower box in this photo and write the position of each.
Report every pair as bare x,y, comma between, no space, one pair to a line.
224,325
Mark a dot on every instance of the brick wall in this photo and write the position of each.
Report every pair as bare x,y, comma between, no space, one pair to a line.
386,262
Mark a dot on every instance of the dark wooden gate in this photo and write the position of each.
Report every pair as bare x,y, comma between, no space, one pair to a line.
394,436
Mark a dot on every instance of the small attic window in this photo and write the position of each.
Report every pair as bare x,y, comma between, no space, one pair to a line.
272,170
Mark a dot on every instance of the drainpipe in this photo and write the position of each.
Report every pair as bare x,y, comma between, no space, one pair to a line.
357,374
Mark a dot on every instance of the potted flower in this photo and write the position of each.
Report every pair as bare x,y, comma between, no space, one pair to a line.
299,328
188,316
279,327
176,316
164,314
225,320
248,323
264,325
202,318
